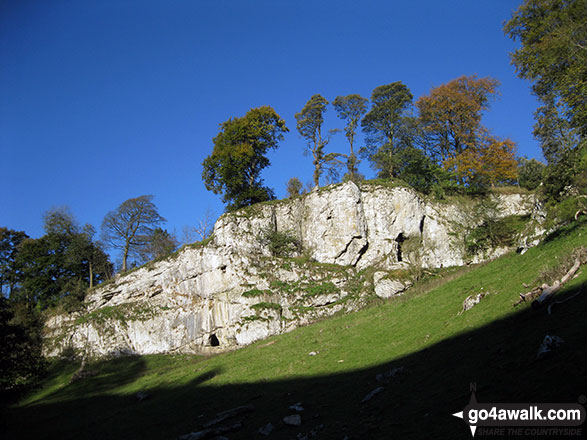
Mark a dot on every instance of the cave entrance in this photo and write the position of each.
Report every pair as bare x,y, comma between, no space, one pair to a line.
214,342
399,240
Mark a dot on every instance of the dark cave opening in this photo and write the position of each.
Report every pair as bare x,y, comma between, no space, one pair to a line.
214,342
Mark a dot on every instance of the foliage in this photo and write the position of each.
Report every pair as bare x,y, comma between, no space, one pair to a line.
565,210
351,108
415,168
21,362
553,53
489,162
131,226
159,245
493,233
294,187
309,125
63,263
320,289
568,176
530,173
280,244
234,167
10,275
266,306
384,125
252,293
450,116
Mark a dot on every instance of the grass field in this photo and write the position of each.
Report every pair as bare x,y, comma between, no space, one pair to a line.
434,352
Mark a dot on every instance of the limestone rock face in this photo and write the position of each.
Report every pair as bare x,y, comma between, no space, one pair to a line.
231,291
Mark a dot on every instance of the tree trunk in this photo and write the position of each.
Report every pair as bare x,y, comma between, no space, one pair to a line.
91,275
124,257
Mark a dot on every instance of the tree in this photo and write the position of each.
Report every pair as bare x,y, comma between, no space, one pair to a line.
234,167
351,108
60,265
309,125
415,168
130,226
450,116
9,274
91,254
383,122
488,162
60,220
159,244
530,173
553,53
294,187
21,360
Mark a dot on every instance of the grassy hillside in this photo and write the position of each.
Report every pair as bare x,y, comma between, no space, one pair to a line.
430,352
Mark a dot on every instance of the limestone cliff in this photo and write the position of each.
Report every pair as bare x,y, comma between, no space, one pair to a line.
355,243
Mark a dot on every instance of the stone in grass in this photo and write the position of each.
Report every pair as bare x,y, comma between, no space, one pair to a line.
293,420
393,373
141,395
549,344
472,300
297,407
267,429
372,394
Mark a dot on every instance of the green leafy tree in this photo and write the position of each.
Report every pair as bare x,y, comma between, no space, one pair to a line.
130,226
530,172
568,176
351,109
309,125
21,360
414,167
10,276
61,264
383,123
294,187
90,254
234,167
553,53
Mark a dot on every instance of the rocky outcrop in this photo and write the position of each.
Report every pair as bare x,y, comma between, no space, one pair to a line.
356,243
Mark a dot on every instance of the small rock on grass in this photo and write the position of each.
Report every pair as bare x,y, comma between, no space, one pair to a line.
267,429
293,420
372,393
297,407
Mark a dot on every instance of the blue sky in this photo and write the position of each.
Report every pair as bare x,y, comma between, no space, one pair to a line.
106,100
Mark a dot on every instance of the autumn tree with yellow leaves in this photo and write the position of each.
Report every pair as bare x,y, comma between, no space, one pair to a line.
450,120
489,163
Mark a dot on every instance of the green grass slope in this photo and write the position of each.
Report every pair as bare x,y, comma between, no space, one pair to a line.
438,352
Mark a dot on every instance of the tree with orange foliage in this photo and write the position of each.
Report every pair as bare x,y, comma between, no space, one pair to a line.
491,162
450,116
450,121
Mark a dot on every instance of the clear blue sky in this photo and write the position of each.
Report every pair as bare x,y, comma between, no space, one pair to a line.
105,100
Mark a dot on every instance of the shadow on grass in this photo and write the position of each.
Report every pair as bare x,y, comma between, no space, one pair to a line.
417,403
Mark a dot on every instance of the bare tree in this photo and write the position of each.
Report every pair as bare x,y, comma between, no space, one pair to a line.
205,224
130,226
203,230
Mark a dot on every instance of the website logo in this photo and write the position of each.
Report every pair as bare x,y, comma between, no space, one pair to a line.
537,418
